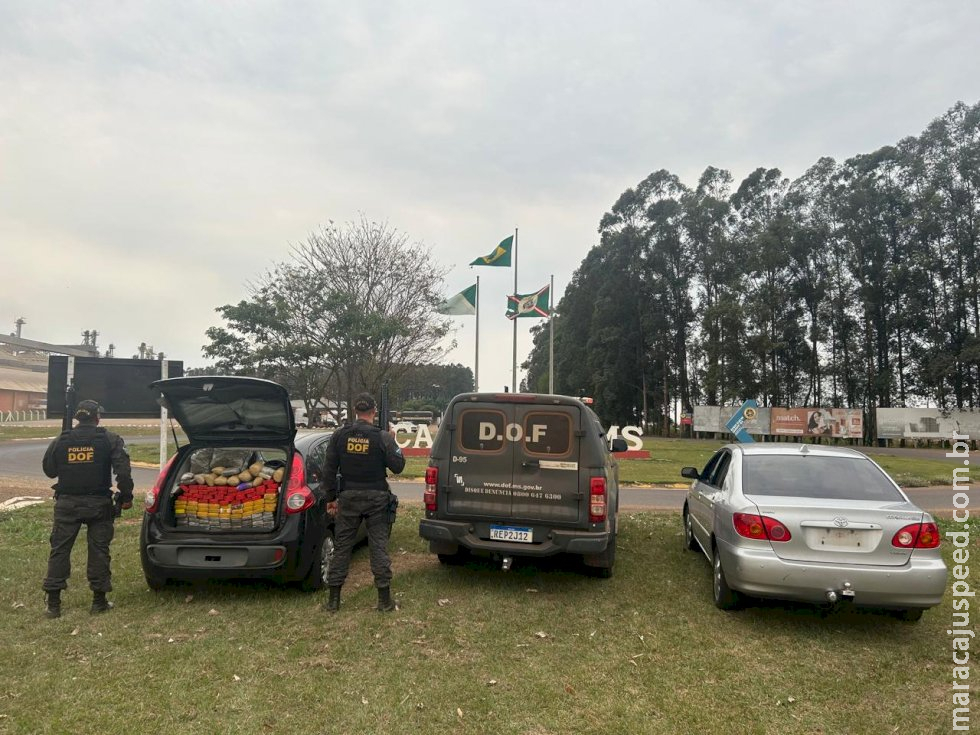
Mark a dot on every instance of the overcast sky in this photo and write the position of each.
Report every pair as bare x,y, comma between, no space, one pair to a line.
156,156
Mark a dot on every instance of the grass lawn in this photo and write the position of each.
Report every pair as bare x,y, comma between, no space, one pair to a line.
541,649
667,457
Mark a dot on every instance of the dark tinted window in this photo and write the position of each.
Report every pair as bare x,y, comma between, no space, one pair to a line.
481,430
314,462
721,469
547,433
710,467
796,475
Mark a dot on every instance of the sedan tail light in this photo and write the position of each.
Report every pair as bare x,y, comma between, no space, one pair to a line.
151,502
431,481
917,536
299,497
763,528
597,500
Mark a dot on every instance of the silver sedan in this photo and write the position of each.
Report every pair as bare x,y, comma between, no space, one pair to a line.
811,523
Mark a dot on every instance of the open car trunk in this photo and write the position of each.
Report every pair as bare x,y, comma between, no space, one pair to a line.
235,488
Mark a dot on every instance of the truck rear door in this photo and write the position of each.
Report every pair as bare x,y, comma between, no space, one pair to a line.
546,464
481,467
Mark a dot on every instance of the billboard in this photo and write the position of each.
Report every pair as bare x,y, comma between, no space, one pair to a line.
714,418
122,387
844,423
926,423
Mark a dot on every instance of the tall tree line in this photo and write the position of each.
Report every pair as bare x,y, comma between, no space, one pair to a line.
856,285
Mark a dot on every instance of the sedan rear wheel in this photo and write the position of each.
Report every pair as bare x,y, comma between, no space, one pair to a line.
910,615
690,543
725,597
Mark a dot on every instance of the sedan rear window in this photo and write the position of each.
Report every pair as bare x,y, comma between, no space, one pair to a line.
801,476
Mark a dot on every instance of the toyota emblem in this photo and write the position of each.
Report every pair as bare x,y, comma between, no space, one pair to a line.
840,522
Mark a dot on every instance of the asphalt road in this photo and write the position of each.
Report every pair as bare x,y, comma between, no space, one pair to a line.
22,459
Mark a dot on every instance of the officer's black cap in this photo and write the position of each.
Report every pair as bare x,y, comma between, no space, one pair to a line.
88,410
364,403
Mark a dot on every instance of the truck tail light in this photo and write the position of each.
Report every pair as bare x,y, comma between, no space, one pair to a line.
151,502
299,497
429,494
762,528
597,500
917,536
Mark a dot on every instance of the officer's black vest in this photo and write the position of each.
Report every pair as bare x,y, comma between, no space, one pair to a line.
84,462
362,457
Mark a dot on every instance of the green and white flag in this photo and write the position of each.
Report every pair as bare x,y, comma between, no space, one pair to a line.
500,255
532,304
462,303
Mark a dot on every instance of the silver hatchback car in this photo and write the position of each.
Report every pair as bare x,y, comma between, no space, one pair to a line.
814,524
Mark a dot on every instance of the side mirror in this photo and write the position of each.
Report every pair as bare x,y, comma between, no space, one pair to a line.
618,445
690,473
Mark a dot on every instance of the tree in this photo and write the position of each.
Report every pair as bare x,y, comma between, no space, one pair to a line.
348,311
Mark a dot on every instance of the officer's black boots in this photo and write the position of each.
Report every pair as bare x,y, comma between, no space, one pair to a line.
53,607
385,603
99,603
333,600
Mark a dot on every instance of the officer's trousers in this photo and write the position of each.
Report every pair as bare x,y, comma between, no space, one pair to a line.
70,512
353,506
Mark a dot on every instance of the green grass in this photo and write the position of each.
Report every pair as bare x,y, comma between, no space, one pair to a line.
667,457
541,649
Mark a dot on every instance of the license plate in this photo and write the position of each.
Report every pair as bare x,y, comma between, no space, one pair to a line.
520,534
841,538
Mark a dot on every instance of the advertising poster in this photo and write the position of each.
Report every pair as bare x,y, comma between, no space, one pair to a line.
844,423
926,423
714,418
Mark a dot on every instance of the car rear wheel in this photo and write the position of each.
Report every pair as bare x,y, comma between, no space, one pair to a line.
316,579
910,615
690,543
602,565
155,581
725,597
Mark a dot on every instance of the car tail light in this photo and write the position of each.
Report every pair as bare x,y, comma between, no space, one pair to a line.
431,481
151,502
917,536
763,528
597,500
298,496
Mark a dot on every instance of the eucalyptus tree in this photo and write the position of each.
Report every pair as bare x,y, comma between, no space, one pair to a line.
717,290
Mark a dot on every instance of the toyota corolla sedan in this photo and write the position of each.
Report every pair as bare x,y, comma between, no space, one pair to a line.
814,524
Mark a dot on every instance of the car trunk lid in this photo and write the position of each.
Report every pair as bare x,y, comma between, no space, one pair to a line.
838,509
859,532
215,410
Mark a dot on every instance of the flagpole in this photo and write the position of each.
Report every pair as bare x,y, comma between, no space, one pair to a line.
513,374
551,326
476,363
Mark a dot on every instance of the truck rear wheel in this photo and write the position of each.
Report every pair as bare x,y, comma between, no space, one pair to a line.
454,560
601,565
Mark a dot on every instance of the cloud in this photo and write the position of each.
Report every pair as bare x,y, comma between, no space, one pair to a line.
175,149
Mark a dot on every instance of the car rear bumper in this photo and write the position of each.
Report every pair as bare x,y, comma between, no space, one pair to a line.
447,536
920,582
181,555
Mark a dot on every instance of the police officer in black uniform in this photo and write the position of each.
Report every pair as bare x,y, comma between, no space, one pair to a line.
82,460
361,452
